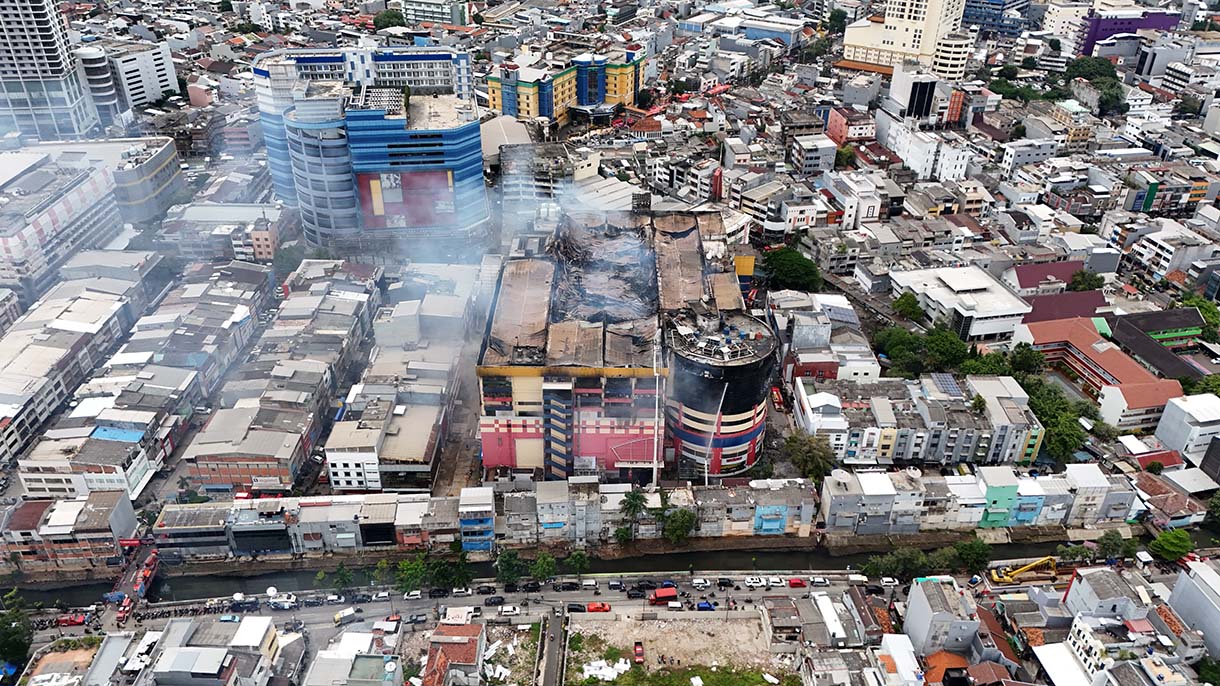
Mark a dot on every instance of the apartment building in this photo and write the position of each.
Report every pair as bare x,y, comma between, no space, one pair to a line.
80,533
976,305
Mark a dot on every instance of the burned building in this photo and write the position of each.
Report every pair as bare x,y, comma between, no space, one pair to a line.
573,370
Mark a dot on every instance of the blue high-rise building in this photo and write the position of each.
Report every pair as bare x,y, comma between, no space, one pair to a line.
374,144
1005,18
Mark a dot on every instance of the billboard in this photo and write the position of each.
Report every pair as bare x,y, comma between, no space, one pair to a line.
393,200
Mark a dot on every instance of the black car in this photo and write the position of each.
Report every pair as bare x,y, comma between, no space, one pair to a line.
438,593
873,589
313,602
576,607
566,586
360,598
532,587
492,601
615,585
485,590
646,585
417,619
635,594
724,583
510,588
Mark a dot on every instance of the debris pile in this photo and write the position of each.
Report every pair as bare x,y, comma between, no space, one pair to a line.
604,671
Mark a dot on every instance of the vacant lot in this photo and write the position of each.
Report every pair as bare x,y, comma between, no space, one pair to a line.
737,643
518,652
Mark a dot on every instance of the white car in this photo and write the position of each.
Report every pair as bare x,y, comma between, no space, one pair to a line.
775,582
700,584
889,581
379,597
819,581
510,611
755,582
413,595
462,592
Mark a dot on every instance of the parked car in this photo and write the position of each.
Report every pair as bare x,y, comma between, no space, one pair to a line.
510,611
335,599
796,582
412,595
705,606
462,592
381,596
638,653
565,586
755,582
576,607
819,581
417,619
493,600
635,594
230,618
510,588
615,585
438,593
646,584
485,590
360,598
532,587
598,607
699,584
313,602
889,582
725,582
774,582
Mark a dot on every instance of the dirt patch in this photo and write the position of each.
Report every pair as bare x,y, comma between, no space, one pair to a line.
688,642
518,653
413,646
74,661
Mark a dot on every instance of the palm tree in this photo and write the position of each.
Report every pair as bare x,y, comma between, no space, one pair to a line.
634,504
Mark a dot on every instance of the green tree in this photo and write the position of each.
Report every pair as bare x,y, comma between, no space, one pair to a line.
907,305
978,404
1210,313
1089,69
1188,105
1154,467
543,567
246,27
943,560
388,18
634,504
623,535
1213,508
945,350
905,350
1063,437
225,6
577,562
16,631
973,555
1171,545
1025,360
383,572
901,563
319,578
1018,132
1131,546
343,577
787,268
1110,545
837,23
678,525
1209,671
1085,280
1104,431
1029,63
411,574
1008,71
509,567
1054,45
810,454
845,157
991,364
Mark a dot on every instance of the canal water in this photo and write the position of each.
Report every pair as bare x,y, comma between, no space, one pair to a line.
197,587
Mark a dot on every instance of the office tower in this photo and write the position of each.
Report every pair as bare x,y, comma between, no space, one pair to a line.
40,84
1003,18
909,30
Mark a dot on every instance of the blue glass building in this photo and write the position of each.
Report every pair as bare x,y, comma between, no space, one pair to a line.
1005,18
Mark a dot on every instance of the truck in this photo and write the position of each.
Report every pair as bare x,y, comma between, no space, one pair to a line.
662,596
346,616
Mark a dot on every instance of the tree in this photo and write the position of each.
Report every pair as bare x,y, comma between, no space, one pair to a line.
973,555
543,567
1188,105
1089,69
991,364
943,560
1171,545
1054,45
678,526
1104,431
978,404
1009,72
1131,546
1063,438
1018,132
343,577
1210,313
633,505
1209,671
225,6
577,562
837,23
411,574
1025,360
845,157
388,18
1085,280
810,454
1110,545
246,27
509,567
319,578
945,350
382,572
16,631
787,268
1213,508
1029,63
623,535
901,563
478,19
907,305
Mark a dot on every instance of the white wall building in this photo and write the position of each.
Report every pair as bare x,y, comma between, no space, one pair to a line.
976,305
1196,599
1189,424
909,30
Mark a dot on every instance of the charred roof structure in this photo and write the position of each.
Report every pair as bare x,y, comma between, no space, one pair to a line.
573,370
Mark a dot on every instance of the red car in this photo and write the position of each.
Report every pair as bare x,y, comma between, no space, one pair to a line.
598,607
795,582
70,620
639,653
777,398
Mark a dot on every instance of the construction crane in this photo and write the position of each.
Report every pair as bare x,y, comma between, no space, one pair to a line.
1039,570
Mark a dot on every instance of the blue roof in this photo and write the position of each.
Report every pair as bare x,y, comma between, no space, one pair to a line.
109,433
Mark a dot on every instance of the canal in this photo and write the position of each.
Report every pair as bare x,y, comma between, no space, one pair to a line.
211,586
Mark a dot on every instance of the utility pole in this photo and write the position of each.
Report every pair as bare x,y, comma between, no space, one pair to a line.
656,409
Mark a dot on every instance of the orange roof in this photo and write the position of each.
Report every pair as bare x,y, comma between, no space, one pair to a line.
864,66
993,627
1138,385
887,661
938,662
988,673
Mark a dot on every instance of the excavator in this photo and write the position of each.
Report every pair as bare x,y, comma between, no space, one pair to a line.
1038,570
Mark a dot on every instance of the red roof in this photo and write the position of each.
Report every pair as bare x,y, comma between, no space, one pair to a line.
451,649
1065,305
1167,458
1030,275
1139,386
938,662
1139,626
992,626
985,673
28,515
